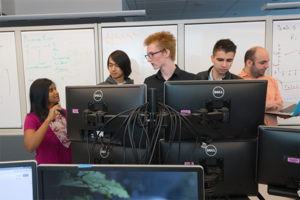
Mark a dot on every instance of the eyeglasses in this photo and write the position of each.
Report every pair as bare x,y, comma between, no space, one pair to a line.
150,55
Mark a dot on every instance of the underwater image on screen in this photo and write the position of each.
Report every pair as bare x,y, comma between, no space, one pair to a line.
119,185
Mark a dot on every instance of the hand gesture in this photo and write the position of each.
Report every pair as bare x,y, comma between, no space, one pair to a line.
53,112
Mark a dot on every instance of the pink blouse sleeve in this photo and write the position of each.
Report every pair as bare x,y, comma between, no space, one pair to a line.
31,122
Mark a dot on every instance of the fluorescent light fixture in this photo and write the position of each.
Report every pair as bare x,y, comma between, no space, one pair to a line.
80,16
281,6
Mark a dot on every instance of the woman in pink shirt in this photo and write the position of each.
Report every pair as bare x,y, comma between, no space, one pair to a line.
45,127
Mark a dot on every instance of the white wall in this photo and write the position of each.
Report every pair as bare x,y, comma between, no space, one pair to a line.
23,7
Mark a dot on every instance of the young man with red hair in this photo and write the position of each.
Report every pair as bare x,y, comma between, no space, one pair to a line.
161,52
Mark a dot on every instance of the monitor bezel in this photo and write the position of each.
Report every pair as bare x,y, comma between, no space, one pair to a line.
223,82
25,163
252,186
261,180
132,168
98,87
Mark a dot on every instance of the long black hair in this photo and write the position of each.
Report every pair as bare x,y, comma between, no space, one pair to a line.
39,97
122,60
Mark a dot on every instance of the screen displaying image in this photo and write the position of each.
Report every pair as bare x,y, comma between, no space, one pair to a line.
119,185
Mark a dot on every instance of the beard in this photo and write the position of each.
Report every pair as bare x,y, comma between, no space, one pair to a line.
257,72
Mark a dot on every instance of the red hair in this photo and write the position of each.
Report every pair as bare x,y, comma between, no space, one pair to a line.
165,40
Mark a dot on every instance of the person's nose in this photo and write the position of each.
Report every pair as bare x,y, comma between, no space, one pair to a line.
267,65
224,63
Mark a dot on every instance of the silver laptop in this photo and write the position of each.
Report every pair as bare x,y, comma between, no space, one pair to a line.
18,180
289,109
121,182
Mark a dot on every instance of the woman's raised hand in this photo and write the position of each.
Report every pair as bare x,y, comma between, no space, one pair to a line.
53,112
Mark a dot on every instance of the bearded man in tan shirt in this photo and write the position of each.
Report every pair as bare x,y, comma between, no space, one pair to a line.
256,63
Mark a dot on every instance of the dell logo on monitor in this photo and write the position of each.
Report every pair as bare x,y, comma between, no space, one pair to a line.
104,152
211,150
98,95
218,92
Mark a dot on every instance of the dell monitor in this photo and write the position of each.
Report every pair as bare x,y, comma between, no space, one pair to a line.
83,154
229,165
233,108
89,108
278,160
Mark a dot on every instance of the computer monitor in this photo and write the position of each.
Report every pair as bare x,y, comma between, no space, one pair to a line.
84,154
235,159
84,122
120,182
18,180
278,160
244,102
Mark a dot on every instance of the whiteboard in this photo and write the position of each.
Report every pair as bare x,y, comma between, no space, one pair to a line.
67,57
201,38
10,110
131,41
286,62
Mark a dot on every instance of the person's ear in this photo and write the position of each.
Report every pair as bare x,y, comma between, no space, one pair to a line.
167,53
212,58
249,62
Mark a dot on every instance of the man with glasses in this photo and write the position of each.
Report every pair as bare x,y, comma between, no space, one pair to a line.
222,58
161,51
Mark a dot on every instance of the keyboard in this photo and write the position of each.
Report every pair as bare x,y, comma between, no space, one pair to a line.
289,109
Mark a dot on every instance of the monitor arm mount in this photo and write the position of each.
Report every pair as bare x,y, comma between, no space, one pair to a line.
216,111
94,115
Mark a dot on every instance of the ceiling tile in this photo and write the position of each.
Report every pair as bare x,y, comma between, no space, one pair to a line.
208,6
162,4
163,11
132,6
198,9
243,13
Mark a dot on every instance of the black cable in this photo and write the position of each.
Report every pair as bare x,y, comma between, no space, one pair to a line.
201,118
127,128
186,120
173,124
193,151
94,142
132,120
88,149
187,123
159,127
114,117
118,129
151,143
